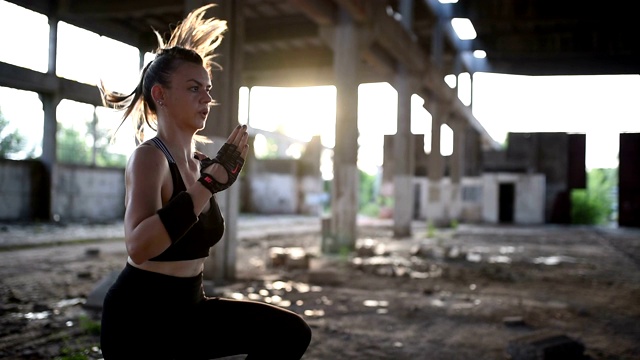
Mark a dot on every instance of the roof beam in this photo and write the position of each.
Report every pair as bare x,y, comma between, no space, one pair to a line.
25,79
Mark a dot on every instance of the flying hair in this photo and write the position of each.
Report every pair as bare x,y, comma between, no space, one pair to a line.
198,34
194,35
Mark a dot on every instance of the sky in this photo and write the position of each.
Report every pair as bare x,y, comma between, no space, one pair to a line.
599,106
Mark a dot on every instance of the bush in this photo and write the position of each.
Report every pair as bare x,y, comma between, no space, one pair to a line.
594,205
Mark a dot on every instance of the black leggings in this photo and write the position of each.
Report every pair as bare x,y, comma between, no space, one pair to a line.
147,315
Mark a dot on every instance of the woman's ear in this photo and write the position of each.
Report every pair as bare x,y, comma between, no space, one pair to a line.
157,93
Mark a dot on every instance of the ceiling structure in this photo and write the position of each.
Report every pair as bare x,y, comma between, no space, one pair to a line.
288,42
532,37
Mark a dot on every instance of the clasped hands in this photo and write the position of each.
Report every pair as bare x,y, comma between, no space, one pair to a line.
229,160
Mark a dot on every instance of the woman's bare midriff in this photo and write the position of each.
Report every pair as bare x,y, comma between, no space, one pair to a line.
184,268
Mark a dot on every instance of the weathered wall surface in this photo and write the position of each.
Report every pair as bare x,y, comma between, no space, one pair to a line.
557,156
15,190
77,194
82,193
529,200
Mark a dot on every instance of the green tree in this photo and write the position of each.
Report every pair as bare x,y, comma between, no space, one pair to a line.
10,143
104,157
594,205
368,197
74,149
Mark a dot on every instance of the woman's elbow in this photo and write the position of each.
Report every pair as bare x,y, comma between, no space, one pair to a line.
136,253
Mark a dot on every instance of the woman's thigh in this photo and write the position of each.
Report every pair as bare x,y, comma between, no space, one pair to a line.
226,327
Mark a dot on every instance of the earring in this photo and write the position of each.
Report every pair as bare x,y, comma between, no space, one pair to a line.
161,103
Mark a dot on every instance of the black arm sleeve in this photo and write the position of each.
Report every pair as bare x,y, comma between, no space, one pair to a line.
177,216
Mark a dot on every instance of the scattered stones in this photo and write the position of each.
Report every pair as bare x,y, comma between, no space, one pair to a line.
369,247
92,252
290,258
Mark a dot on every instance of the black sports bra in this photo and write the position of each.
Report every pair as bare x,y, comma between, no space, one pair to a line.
203,234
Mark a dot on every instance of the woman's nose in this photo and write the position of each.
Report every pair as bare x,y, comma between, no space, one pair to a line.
207,98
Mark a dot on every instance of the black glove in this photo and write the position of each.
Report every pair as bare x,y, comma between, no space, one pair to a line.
229,157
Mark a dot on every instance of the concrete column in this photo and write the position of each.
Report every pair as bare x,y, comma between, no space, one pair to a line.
223,118
473,152
344,194
436,213
436,161
404,158
453,206
49,143
403,144
49,150
459,127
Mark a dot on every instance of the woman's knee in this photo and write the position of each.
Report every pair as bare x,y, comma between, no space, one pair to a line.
297,328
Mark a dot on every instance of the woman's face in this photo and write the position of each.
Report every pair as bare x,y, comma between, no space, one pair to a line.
187,100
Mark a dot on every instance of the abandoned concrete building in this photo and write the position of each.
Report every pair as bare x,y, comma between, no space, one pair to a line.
407,43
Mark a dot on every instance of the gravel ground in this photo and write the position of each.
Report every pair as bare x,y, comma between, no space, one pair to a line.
468,293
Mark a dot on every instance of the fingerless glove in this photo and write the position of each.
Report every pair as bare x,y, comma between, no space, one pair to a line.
229,158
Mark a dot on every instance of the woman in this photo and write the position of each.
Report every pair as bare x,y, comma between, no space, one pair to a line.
157,308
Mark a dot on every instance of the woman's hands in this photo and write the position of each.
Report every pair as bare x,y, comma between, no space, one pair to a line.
222,171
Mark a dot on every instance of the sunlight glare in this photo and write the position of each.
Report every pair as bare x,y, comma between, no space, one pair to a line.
299,113
463,28
108,121
446,140
479,54
243,106
116,63
73,64
464,88
27,32
24,112
377,117
598,106
74,115
122,72
295,151
421,121
451,80
260,146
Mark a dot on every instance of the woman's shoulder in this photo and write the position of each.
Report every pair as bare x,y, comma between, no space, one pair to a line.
147,158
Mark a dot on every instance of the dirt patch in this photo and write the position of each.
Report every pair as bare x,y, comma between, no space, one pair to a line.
463,294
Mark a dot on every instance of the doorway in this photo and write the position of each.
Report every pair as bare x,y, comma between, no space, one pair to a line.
506,202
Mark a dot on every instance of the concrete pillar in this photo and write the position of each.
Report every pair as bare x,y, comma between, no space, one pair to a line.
403,144
459,127
453,206
436,161
49,149
404,158
436,199
223,118
344,194
49,143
